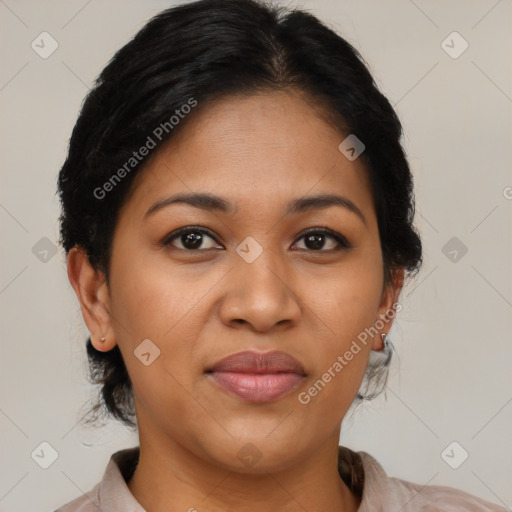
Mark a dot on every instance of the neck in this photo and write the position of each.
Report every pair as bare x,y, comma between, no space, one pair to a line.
174,479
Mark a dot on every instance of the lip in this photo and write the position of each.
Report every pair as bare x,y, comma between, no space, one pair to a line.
258,377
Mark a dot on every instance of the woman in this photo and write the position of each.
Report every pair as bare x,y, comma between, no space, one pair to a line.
237,214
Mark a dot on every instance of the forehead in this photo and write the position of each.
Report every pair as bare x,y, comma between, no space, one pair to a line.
265,148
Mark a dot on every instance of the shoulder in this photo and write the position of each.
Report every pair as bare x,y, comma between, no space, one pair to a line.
112,492
384,493
89,502
437,498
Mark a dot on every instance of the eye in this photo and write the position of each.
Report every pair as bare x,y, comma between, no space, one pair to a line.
191,238
315,239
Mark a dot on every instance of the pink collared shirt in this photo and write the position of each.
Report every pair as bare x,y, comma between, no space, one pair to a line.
378,491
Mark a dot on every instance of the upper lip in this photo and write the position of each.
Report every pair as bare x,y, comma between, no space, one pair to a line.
257,362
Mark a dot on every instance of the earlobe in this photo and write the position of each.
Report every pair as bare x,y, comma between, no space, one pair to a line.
388,308
92,293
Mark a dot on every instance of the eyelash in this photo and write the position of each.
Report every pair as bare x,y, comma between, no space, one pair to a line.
343,243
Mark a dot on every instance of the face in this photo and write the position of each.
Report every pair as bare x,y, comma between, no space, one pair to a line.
249,274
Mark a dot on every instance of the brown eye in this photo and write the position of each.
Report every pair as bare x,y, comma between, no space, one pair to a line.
194,239
190,238
316,240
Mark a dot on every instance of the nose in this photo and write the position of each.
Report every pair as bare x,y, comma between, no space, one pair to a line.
260,295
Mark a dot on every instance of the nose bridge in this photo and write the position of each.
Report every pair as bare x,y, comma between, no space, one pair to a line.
259,291
261,268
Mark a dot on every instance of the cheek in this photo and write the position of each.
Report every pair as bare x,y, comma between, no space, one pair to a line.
348,298
347,304
341,354
150,303
151,299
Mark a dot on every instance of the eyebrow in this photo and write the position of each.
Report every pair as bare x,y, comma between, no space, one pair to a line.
211,202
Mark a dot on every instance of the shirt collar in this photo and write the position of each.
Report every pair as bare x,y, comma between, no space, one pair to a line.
114,494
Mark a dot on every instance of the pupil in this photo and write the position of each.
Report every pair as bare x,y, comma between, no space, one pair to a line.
317,241
192,240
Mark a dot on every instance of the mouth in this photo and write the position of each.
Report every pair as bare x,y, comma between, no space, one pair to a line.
258,377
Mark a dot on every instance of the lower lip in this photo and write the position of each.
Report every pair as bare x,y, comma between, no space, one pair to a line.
261,387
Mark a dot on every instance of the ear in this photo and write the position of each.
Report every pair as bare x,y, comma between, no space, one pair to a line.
92,292
388,306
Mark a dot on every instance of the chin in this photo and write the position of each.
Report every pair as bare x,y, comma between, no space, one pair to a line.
255,454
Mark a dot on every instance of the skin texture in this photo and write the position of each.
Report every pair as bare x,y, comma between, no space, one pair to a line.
259,153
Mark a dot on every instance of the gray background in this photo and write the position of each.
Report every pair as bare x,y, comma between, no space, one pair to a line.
453,337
